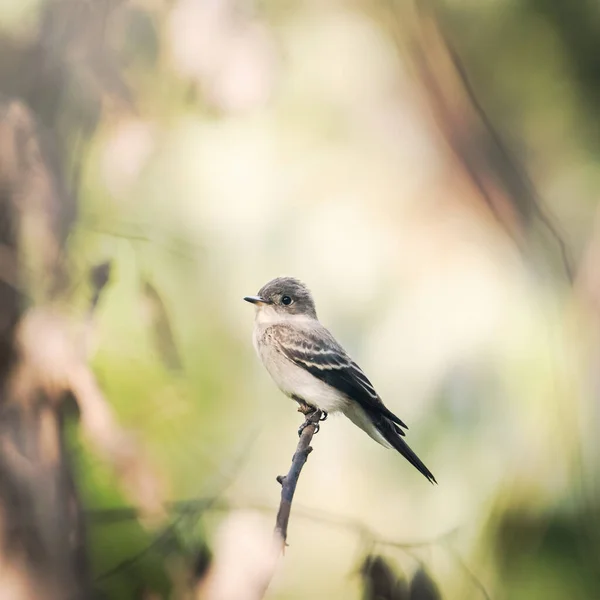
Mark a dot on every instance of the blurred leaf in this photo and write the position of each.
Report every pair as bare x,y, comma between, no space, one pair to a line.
381,582
161,327
99,277
422,587
201,562
576,25
551,552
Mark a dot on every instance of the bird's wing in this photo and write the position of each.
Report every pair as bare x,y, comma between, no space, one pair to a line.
316,350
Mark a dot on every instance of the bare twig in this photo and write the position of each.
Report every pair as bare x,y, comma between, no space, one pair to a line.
200,505
288,482
241,536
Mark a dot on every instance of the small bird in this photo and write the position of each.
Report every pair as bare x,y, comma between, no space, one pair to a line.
311,367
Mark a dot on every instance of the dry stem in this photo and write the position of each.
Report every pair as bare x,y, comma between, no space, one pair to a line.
288,482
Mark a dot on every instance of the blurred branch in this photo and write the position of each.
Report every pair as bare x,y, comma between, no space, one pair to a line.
473,578
177,246
189,512
43,371
252,575
161,540
499,182
36,208
67,71
42,536
111,516
288,482
511,174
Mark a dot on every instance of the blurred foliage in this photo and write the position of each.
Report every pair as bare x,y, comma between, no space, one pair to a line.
214,145
380,581
422,587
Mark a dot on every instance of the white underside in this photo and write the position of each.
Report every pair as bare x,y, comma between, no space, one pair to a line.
292,380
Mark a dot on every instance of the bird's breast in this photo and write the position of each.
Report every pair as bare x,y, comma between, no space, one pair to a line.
293,380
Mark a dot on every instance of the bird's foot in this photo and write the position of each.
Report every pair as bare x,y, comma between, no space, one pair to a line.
312,418
305,425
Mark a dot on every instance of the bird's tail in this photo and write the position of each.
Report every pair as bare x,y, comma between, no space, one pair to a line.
393,435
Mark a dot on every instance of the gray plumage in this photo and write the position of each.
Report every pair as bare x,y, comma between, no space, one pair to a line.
308,364
276,289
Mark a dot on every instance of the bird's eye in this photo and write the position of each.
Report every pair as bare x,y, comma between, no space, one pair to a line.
286,300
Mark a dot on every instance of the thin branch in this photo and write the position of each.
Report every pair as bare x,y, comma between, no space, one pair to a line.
162,539
177,246
116,515
470,574
288,482
214,503
242,544
190,510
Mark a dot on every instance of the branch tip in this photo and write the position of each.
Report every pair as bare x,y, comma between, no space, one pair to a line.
288,482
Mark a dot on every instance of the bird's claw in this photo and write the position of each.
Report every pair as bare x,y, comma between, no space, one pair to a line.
305,425
313,419
324,416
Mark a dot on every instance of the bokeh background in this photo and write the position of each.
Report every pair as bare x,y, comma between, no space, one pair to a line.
438,197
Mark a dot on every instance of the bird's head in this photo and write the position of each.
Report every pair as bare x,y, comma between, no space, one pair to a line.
284,296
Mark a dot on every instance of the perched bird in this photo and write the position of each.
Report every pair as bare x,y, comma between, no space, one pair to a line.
309,365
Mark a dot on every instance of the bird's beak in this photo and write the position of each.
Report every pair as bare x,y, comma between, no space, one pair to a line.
257,300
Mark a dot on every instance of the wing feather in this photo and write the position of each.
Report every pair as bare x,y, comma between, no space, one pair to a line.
317,351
